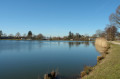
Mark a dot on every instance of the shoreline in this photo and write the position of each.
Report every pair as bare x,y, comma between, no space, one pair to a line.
107,69
49,40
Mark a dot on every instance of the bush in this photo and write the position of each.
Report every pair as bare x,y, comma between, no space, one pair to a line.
83,73
106,52
86,71
99,58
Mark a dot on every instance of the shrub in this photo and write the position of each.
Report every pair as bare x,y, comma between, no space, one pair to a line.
99,58
106,52
83,73
86,71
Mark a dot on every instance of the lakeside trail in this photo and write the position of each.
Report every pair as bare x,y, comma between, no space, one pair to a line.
108,68
113,42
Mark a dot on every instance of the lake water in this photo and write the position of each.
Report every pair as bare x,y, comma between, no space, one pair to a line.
33,59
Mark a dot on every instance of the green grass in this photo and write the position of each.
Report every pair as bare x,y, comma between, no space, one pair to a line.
108,68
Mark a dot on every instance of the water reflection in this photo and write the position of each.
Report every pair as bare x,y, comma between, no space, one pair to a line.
85,43
30,45
18,45
93,43
29,58
39,77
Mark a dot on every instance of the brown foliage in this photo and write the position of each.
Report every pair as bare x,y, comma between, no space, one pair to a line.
99,58
86,71
83,73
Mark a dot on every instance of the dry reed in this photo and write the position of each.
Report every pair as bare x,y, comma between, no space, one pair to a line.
102,42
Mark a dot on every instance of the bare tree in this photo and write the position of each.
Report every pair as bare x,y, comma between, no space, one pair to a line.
94,35
103,34
115,18
40,36
11,35
24,35
99,33
4,35
111,32
18,35
77,36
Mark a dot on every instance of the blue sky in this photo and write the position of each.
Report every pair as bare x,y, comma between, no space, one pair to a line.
55,17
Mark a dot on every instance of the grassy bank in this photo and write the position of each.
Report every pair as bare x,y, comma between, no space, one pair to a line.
108,68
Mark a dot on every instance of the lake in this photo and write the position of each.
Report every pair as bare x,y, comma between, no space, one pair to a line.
33,59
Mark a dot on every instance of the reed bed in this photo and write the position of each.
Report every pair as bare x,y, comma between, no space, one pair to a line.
102,42
102,46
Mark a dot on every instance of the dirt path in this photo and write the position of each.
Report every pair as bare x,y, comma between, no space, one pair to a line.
113,42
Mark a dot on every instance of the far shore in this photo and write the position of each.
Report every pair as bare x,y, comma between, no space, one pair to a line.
45,40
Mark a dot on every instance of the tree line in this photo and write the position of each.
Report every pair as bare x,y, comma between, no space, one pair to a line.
30,35
71,36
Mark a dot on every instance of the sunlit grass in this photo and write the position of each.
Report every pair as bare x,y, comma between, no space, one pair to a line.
108,68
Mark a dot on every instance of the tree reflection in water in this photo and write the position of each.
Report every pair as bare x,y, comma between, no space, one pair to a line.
85,43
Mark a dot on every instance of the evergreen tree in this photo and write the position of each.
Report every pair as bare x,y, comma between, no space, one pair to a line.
30,34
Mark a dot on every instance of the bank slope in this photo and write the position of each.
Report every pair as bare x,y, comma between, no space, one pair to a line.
108,68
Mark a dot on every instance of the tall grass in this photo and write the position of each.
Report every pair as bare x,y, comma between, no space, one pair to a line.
102,42
102,46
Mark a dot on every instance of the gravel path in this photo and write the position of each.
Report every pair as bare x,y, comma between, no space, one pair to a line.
114,42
